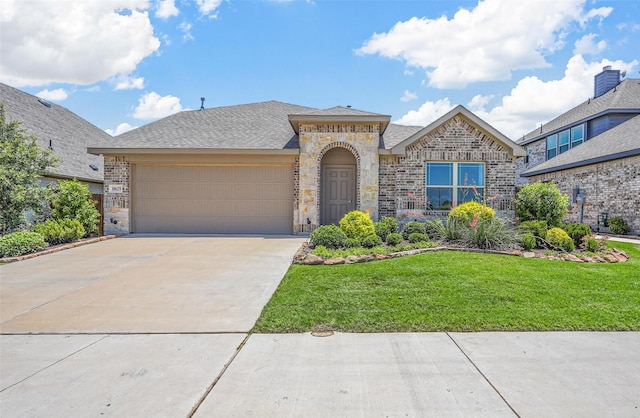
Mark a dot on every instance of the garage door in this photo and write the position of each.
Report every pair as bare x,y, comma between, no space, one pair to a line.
218,199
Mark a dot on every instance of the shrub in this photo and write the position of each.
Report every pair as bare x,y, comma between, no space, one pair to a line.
454,229
20,243
466,212
592,245
537,228
492,233
72,200
357,224
351,243
411,227
394,238
60,231
541,201
371,241
528,241
386,226
418,237
577,231
619,226
435,229
329,236
560,239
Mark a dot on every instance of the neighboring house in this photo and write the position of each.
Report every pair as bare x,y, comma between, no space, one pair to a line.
61,131
592,150
278,168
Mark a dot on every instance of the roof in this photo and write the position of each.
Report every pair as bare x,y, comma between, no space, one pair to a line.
339,114
400,147
624,98
619,142
69,133
394,134
257,126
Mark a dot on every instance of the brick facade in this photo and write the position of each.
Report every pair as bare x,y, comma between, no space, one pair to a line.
537,154
612,187
403,179
116,204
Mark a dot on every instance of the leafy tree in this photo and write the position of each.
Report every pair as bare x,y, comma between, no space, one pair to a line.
72,200
22,163
541,202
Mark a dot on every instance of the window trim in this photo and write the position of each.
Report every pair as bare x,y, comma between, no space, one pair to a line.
454,186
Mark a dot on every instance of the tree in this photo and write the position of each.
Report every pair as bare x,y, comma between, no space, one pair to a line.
22,163
541,202
72,200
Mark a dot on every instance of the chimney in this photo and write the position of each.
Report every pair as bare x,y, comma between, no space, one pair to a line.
605,81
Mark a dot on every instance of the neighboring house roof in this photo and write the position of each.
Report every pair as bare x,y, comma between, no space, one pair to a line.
619,142
624,98
69,133
400,147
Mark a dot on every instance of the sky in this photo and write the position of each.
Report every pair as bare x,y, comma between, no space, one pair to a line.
121,64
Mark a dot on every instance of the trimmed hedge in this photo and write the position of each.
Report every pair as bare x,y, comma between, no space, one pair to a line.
21,243
60,231
412,227
330,236
559,238
357,224
386,226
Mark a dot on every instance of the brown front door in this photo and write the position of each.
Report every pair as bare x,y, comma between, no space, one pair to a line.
338,193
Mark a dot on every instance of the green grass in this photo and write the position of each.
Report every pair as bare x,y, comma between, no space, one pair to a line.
458,291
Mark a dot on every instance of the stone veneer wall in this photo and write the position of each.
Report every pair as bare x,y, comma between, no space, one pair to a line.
612,187
537,155
402,178
315,140
116,205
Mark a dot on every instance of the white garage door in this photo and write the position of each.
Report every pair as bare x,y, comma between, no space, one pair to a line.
218,199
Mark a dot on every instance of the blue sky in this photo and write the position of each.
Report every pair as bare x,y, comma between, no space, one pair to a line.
124,63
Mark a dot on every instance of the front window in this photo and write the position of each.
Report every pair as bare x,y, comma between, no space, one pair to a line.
449,184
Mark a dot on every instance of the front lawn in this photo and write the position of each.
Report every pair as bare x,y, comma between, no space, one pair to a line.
458,291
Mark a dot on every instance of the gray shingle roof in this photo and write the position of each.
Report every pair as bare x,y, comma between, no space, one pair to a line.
341,111
69,133
625,97
619,142
251,126
394,134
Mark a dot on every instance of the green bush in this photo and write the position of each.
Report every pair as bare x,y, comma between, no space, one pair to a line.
541,201
435,229
592,245
386,226
394,239
418,237
560,239
537,228
60,231
371,241
351,243
411,227
20,243
577,231
528,241
329,236
72,200
619,226
357,224
489,234
466,212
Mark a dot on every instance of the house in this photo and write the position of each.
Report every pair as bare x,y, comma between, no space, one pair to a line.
593,151
61,131
278,168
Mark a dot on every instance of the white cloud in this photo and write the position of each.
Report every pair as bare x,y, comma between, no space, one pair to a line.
56,95
208,7
185,28
127,82
120,129
78,42
534,101
408,96
587,45
427,113
479,102
484,43
166,9
153,106
93,89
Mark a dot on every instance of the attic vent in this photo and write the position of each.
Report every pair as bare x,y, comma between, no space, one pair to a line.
93,167
44,102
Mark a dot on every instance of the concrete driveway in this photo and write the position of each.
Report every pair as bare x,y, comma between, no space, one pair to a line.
145,285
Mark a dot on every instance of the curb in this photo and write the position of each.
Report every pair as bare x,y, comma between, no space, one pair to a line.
58,248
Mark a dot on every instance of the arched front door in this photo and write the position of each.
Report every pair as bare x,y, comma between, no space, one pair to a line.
337,185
